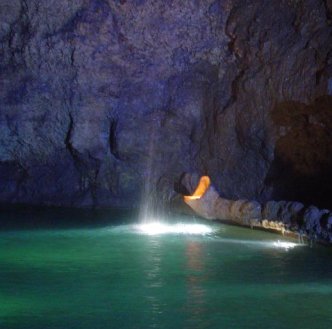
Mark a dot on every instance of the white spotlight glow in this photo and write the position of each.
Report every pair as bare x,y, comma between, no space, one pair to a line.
157,228
284,244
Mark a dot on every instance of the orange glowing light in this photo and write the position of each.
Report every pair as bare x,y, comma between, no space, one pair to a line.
203,185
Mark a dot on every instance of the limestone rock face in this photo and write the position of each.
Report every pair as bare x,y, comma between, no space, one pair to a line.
101,100
287,217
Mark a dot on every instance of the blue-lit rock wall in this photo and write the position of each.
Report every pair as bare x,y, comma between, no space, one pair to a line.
101,100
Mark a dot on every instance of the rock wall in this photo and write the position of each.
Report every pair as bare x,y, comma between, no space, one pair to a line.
102,100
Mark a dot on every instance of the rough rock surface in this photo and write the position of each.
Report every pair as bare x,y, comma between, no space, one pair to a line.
282,216
101,100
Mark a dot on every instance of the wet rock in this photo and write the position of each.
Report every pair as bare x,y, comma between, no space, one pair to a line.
287,212
295,209
270,209
329,222
209,206
282,216
311,219
245,210
290,212
324,220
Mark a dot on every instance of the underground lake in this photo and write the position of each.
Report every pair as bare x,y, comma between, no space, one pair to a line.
166,164
106,269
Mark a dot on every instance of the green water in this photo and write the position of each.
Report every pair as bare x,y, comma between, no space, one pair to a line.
105,273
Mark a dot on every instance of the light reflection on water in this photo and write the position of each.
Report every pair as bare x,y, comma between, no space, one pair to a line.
154,281
158,228
196,294
118,277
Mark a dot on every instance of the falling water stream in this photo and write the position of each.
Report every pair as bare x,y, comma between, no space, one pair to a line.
81,269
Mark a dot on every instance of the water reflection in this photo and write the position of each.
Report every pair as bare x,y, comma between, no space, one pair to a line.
153,281
196,294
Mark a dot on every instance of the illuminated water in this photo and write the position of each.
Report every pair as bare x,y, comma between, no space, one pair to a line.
55,273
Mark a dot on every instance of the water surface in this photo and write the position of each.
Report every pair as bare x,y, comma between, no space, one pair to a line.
79,269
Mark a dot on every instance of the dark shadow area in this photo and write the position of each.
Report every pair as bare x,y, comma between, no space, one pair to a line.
34,218
302,168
